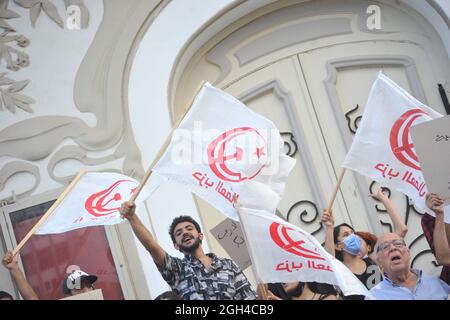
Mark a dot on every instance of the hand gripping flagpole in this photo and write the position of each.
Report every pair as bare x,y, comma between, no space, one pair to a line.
50,211
163,148
261,286
330,205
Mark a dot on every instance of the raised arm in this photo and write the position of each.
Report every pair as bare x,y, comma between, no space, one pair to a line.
400,227
11,263
441,246
328,221
145,237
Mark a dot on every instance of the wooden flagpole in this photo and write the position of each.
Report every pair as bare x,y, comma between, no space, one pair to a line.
50,211
163,148
330,205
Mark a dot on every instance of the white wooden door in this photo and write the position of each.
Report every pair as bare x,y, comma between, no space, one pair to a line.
279,93
339,79
309,66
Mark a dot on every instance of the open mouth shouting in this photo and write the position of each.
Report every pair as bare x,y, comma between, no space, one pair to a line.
187,239
395,257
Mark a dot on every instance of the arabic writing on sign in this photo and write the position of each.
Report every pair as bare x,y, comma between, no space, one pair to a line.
407,177
225,233
230,236
238,240
442,137
205,182
292,266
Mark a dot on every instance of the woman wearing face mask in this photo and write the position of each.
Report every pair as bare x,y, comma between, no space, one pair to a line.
353,249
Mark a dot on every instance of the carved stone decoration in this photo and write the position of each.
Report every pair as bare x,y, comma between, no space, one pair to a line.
99,89
309,209
17,167
14,58
36,6
7,52
75,153
6,14
354,122
10,99
265,34
83,11
290,143
423,252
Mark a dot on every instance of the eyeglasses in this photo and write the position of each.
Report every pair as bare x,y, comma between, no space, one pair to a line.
384,246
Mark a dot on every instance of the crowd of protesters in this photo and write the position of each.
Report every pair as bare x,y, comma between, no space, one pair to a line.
382,263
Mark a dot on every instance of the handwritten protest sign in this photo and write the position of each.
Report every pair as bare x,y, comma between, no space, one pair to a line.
229,234
432,143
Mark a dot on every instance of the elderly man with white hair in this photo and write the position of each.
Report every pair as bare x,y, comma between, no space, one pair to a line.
400,282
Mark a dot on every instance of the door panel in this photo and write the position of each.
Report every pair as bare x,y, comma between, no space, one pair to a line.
278,93
339,85
314,83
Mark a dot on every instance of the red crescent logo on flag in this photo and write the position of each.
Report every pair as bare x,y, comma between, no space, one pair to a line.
105,202
226,149
400,140
282,236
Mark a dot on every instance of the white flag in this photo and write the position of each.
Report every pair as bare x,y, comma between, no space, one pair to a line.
223,151
283,252
95,200
382,148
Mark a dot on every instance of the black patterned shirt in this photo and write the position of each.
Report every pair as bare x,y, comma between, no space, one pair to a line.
224,281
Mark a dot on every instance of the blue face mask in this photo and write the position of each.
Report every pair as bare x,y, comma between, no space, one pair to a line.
352,244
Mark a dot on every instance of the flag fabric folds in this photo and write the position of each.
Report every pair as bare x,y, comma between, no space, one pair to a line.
95,200
283,252
382,148
224,153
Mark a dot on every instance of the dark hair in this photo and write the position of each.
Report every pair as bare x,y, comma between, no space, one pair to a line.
336,230
5,295
369,238
179,220
297,291
316,287
322,288
169,295
278,290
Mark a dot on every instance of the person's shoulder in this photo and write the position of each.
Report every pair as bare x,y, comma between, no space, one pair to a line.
377,287
432,278
381,286
378,292
170,259
212,255
425,276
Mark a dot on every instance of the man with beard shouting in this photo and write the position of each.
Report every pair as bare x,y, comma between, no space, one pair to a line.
198,276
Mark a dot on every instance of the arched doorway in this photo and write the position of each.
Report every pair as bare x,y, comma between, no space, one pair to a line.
308,66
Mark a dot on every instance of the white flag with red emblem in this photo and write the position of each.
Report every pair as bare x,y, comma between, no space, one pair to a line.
224,152
283,252
95,200
382,148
